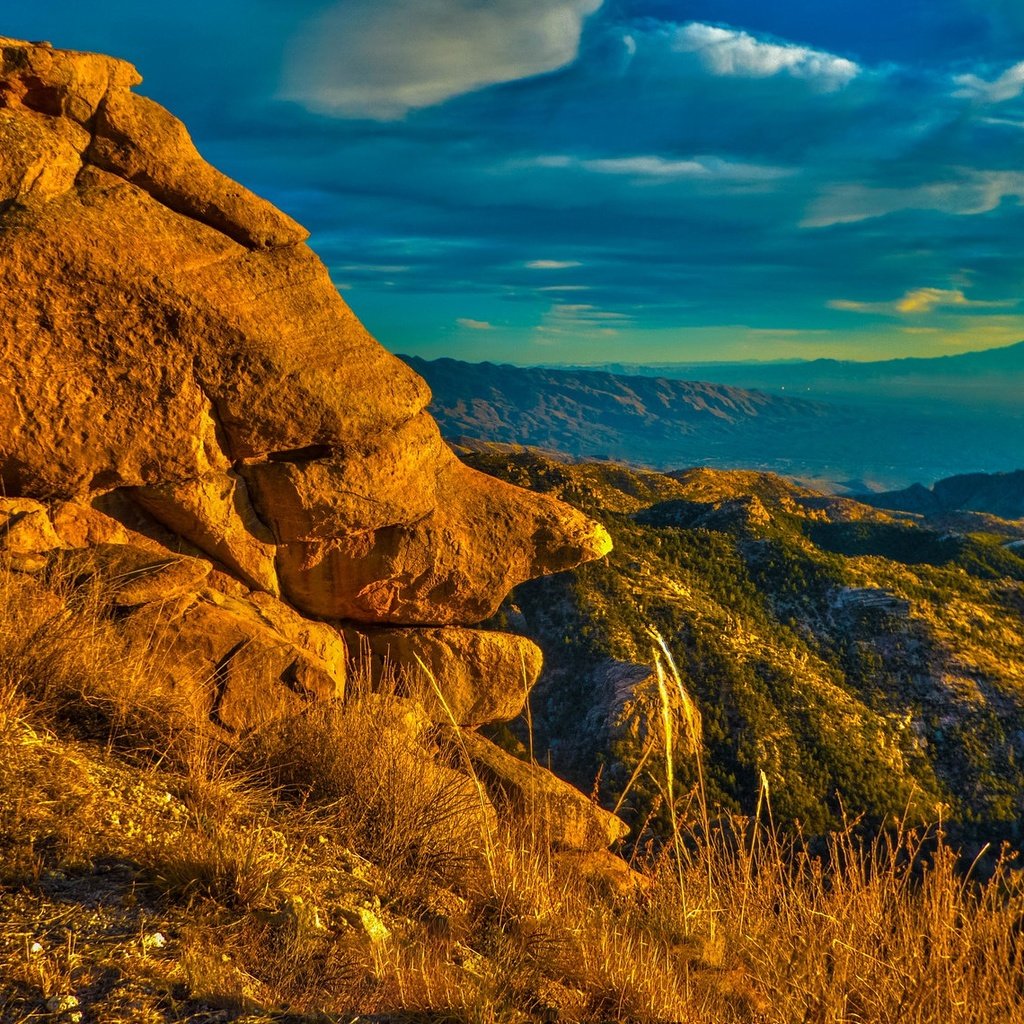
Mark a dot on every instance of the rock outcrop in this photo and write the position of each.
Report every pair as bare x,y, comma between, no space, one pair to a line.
169,332
569,820
469,676
193,420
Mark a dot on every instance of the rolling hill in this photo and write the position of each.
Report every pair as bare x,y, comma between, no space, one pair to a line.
856,658
996,494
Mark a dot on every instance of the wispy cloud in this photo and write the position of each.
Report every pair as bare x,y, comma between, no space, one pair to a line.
731,52
924,300
474,325
382,58
581,318
971,192
552,264
658,168
1008,86
373,268
921,301
1004,122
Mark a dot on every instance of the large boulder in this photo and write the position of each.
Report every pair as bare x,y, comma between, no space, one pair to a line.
195,423
239,662
566,819
166,330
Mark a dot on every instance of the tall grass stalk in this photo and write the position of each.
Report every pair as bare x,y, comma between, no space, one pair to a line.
670,789
467,761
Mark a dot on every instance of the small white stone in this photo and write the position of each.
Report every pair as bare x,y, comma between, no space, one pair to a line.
374,927
155,940
36,948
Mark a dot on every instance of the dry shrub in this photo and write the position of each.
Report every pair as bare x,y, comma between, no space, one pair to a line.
245,966
884,930
238,865
63,655
735,925
366,768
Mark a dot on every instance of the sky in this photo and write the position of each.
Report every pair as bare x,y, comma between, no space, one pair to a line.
545,181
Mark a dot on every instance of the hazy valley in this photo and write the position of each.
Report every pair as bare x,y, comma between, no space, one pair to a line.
846,427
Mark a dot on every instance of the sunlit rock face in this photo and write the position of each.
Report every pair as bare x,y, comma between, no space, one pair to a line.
177,361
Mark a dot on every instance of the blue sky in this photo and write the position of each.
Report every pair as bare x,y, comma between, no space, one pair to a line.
642,180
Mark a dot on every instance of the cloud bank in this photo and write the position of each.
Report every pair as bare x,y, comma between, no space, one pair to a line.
967,193
921,302
382,58
1008,86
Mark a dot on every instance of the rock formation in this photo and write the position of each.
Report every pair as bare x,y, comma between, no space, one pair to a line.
193,420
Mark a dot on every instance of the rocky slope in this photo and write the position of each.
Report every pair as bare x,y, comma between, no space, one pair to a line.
196,426
857,660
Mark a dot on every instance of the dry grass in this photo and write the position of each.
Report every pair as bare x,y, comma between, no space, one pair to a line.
336,864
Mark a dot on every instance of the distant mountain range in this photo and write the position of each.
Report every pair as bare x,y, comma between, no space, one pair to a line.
594,414
870,437
994,376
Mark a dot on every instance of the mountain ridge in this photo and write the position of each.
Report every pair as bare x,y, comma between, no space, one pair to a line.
1004,357
875,436
997,494
594,414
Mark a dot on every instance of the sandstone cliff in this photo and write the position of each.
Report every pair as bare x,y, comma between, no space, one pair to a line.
194,423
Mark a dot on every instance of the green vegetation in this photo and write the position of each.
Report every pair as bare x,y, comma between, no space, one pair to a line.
868,666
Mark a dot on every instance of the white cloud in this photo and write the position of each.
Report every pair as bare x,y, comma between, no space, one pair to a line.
730,52
973,192
1008,86
1003,122
552,264
657,168
474,325
383,58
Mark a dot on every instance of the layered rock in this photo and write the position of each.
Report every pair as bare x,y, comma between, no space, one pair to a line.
567,818
185,383
235,660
